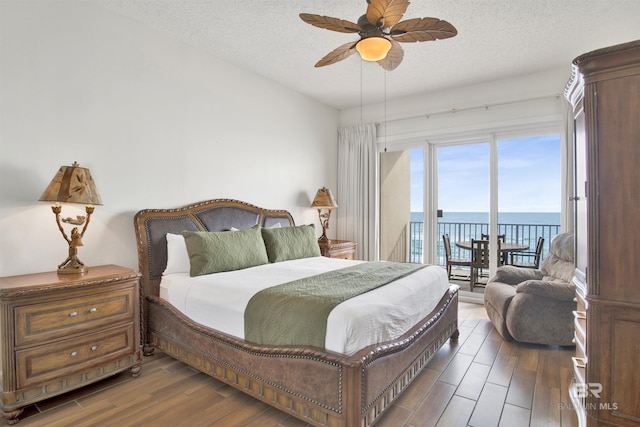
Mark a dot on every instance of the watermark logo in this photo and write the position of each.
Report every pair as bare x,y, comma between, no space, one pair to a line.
588,389
585,390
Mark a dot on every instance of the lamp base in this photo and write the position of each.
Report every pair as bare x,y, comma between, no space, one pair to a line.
73,270
72,266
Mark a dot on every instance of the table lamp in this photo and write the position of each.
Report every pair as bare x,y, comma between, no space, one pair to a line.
72,184
324,200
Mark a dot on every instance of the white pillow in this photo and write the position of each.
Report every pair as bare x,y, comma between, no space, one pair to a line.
177,255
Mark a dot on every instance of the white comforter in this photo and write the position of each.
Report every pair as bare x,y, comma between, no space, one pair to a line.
219,300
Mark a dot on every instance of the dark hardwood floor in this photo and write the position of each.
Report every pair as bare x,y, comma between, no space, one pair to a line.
481,380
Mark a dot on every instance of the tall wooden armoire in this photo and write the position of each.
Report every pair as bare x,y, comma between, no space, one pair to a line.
605,93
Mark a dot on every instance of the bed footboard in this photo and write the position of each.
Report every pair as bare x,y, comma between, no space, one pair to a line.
319,387
391,368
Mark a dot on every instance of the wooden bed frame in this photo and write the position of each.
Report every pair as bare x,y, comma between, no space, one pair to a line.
320,387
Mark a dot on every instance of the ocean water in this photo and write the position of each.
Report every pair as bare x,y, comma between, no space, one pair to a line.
533,218
518,227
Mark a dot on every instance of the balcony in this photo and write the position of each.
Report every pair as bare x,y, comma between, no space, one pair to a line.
458,231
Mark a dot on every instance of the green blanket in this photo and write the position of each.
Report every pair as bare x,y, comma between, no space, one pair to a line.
295,313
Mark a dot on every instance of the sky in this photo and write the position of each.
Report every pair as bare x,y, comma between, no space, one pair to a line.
528,176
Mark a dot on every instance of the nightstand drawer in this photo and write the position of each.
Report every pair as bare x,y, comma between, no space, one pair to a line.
59,319
342,254
50,361
343,249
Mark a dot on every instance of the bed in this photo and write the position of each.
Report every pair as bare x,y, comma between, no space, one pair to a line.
323,387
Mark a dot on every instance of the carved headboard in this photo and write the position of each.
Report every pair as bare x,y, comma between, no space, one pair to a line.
152,225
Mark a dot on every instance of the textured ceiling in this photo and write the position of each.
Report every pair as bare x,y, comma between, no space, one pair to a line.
496,39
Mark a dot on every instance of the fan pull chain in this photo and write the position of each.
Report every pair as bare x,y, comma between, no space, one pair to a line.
361,91
385,111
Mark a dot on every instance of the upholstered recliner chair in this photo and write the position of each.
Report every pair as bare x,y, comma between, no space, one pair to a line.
535,305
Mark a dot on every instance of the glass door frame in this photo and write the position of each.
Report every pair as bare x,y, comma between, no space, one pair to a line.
430,177
431,235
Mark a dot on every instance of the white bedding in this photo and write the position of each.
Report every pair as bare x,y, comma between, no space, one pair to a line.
219,300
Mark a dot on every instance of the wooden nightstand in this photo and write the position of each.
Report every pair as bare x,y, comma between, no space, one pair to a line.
343,249
61,332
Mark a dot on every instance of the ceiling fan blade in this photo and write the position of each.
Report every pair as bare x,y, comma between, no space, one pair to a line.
386,13
338,54
394,57
422,29
329,23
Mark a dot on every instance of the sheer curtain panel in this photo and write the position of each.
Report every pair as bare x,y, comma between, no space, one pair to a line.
357,189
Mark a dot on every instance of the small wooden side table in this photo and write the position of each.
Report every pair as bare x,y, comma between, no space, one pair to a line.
343,249
63,331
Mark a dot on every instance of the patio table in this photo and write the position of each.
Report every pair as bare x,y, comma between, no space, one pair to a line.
504,247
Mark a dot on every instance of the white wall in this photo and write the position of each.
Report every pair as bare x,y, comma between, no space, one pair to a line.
159,123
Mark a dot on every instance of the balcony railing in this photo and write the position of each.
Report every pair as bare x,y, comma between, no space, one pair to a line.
526,234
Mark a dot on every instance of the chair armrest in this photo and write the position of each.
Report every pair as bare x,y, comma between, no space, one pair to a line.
513,275
522,254
556,290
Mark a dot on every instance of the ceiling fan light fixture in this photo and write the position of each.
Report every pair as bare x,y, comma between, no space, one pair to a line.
381,32
373,48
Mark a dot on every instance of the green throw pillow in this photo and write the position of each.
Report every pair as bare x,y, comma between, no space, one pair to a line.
214,252
291,242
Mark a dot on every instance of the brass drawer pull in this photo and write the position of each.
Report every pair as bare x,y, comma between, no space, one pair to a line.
580,314
93,310
73,314
579,362
74,354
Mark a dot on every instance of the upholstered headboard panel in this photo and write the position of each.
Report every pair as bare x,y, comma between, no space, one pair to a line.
152,226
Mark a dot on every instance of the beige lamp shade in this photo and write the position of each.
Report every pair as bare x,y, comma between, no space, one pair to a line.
324,199
373,48
72,184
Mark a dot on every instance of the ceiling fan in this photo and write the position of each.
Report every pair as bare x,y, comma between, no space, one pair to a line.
380,31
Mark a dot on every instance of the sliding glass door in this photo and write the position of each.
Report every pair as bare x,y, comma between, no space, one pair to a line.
529,191
498,186
463,195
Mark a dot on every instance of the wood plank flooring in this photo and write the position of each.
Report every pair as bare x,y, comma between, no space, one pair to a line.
481,380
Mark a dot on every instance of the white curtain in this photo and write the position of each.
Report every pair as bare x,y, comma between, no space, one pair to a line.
357,189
